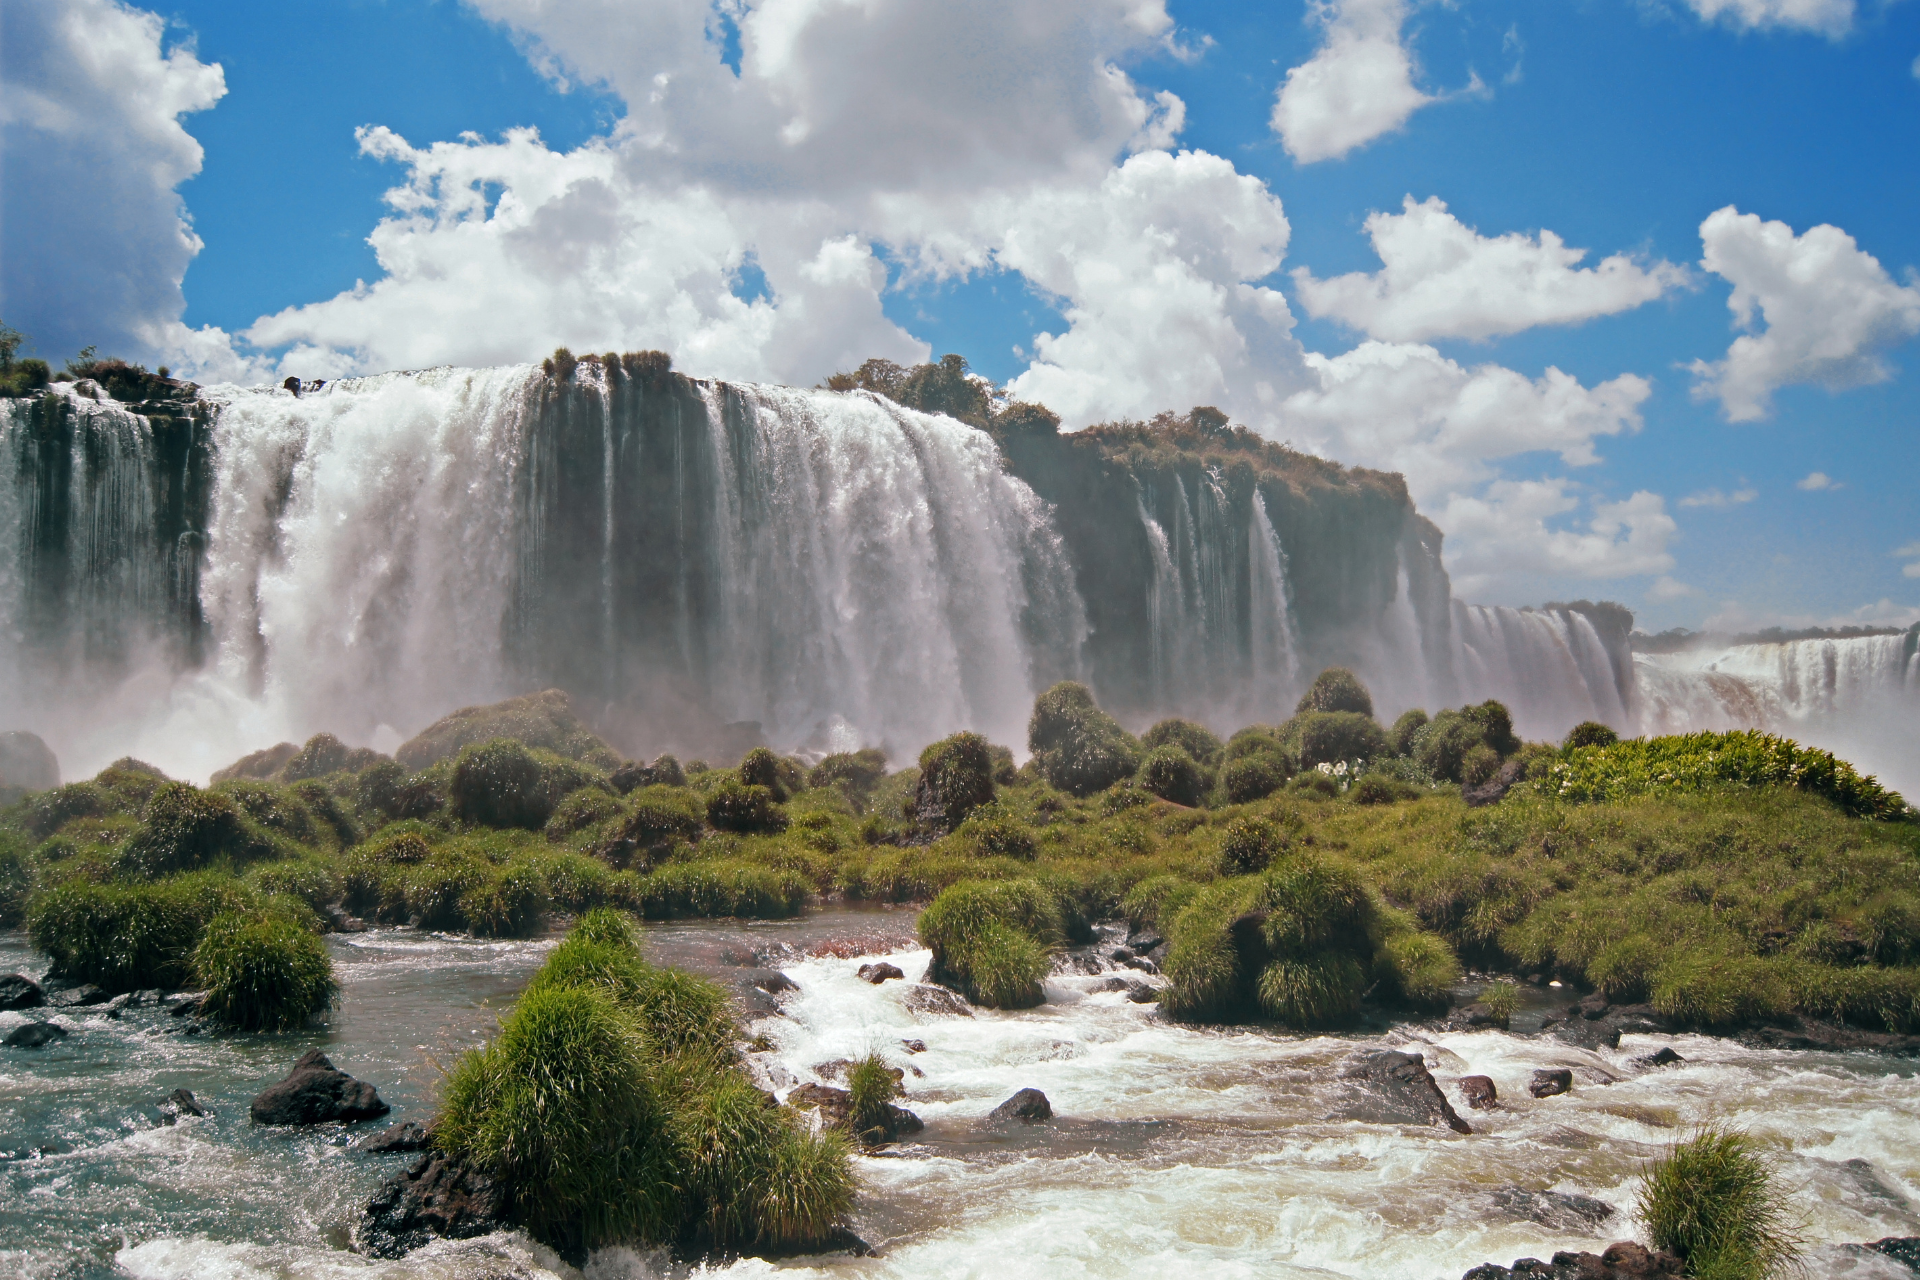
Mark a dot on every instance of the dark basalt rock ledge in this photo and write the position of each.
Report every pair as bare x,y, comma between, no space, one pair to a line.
1626,1260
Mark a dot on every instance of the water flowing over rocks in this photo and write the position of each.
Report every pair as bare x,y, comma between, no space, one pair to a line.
1028,1106
180,1104
317,1092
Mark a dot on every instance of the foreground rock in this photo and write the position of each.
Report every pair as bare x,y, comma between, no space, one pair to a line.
879,973
437,1196
1396,1088
1624,1260
179,1104
1479,1092
1550,1082
34,1035
936,1002
17,991
317,1092
1029,1106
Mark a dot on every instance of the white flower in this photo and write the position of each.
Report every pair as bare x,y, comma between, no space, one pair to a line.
1325,768
1341,768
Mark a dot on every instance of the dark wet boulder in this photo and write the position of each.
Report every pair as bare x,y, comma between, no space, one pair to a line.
180,1104
1550,1082
914,1046
436,1196
1494,789
1390,1087
1623,1260
1592,1008
408,1135
879,973
1141,993
1664,1056
317,1092
1904,1249
1029,1106
79,996
772,981
34,1035
18,991
1794,1032
1594,1024
937,1002
1479,1092
834,1105
1557,1209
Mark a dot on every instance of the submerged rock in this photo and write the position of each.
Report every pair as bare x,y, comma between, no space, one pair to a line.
1664,1056
1557,1209
316,1092
936,1002
437,1196
34,1035
179,1103
1623,1260
18,991
1396,1088
1029,1106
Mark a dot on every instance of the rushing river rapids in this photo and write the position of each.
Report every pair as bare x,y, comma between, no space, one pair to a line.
1175,1152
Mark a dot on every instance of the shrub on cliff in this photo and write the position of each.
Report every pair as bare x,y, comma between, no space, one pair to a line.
1336,689
1077,747
187,828
762,768
1170,773
956,777
323,754
991,939
1196,740
263,973
1716,1201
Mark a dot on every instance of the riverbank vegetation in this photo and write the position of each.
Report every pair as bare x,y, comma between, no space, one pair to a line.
1297,871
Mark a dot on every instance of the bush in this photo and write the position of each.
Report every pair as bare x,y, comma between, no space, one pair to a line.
659,816
48,811
1479,765
312,881
1254,777
993,836
1198,741
1328,737
1077,747
1256,739
508,903
761,768
665,771
186,828
263,974
1248,845
711,890
1156,900
576,883
1401,738
852,773
501,783
1502,999
1496,726
1590,733
990,940
732,806
1442,746
1715,1201
322,755
956,777
1378,788
582,808
1742,758
1336,690
1170,773
432,891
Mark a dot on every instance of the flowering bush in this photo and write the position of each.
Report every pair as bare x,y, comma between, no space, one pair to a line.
1695,761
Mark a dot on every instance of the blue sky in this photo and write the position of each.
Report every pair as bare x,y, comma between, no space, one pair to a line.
814,189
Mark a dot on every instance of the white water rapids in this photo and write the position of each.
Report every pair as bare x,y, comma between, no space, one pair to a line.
1175,1151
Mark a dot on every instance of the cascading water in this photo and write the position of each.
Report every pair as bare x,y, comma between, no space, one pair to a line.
1549,666
1276,661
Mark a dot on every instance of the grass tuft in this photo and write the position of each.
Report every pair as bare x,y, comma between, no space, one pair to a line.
1716,1202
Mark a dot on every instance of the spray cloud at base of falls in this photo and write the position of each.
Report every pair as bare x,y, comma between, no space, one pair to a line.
701,564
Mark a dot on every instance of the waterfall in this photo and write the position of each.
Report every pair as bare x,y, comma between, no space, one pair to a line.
1549,666
1275,651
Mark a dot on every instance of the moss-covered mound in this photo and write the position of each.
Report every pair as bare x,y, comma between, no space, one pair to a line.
1076,746
543,720
613,1109
992,940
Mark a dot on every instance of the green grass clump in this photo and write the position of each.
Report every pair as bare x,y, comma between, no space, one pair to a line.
1716,1202
1200,743
1248,845
581,808
854,774
713,890
315,881
956,777
186,829
1255,776
1333,736
504,783
871,1089
508,903
1336,690
661,816
1696,761
1502,999
126,937
265,973
614,1112
991,940
739,807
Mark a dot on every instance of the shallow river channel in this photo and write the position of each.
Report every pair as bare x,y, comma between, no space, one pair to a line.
1175,1151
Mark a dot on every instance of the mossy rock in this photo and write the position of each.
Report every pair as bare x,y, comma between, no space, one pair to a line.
542,720
1077,747
956,777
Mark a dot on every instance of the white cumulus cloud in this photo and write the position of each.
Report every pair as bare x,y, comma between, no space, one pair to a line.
1832,18
1357,86
1440,278
97,240
1816,481
1829,309
1716,500
1509,530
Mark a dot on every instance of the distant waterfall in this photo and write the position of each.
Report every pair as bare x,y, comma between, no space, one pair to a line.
1275,651
1549,666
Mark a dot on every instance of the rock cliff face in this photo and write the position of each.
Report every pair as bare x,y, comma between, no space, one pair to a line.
702,563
